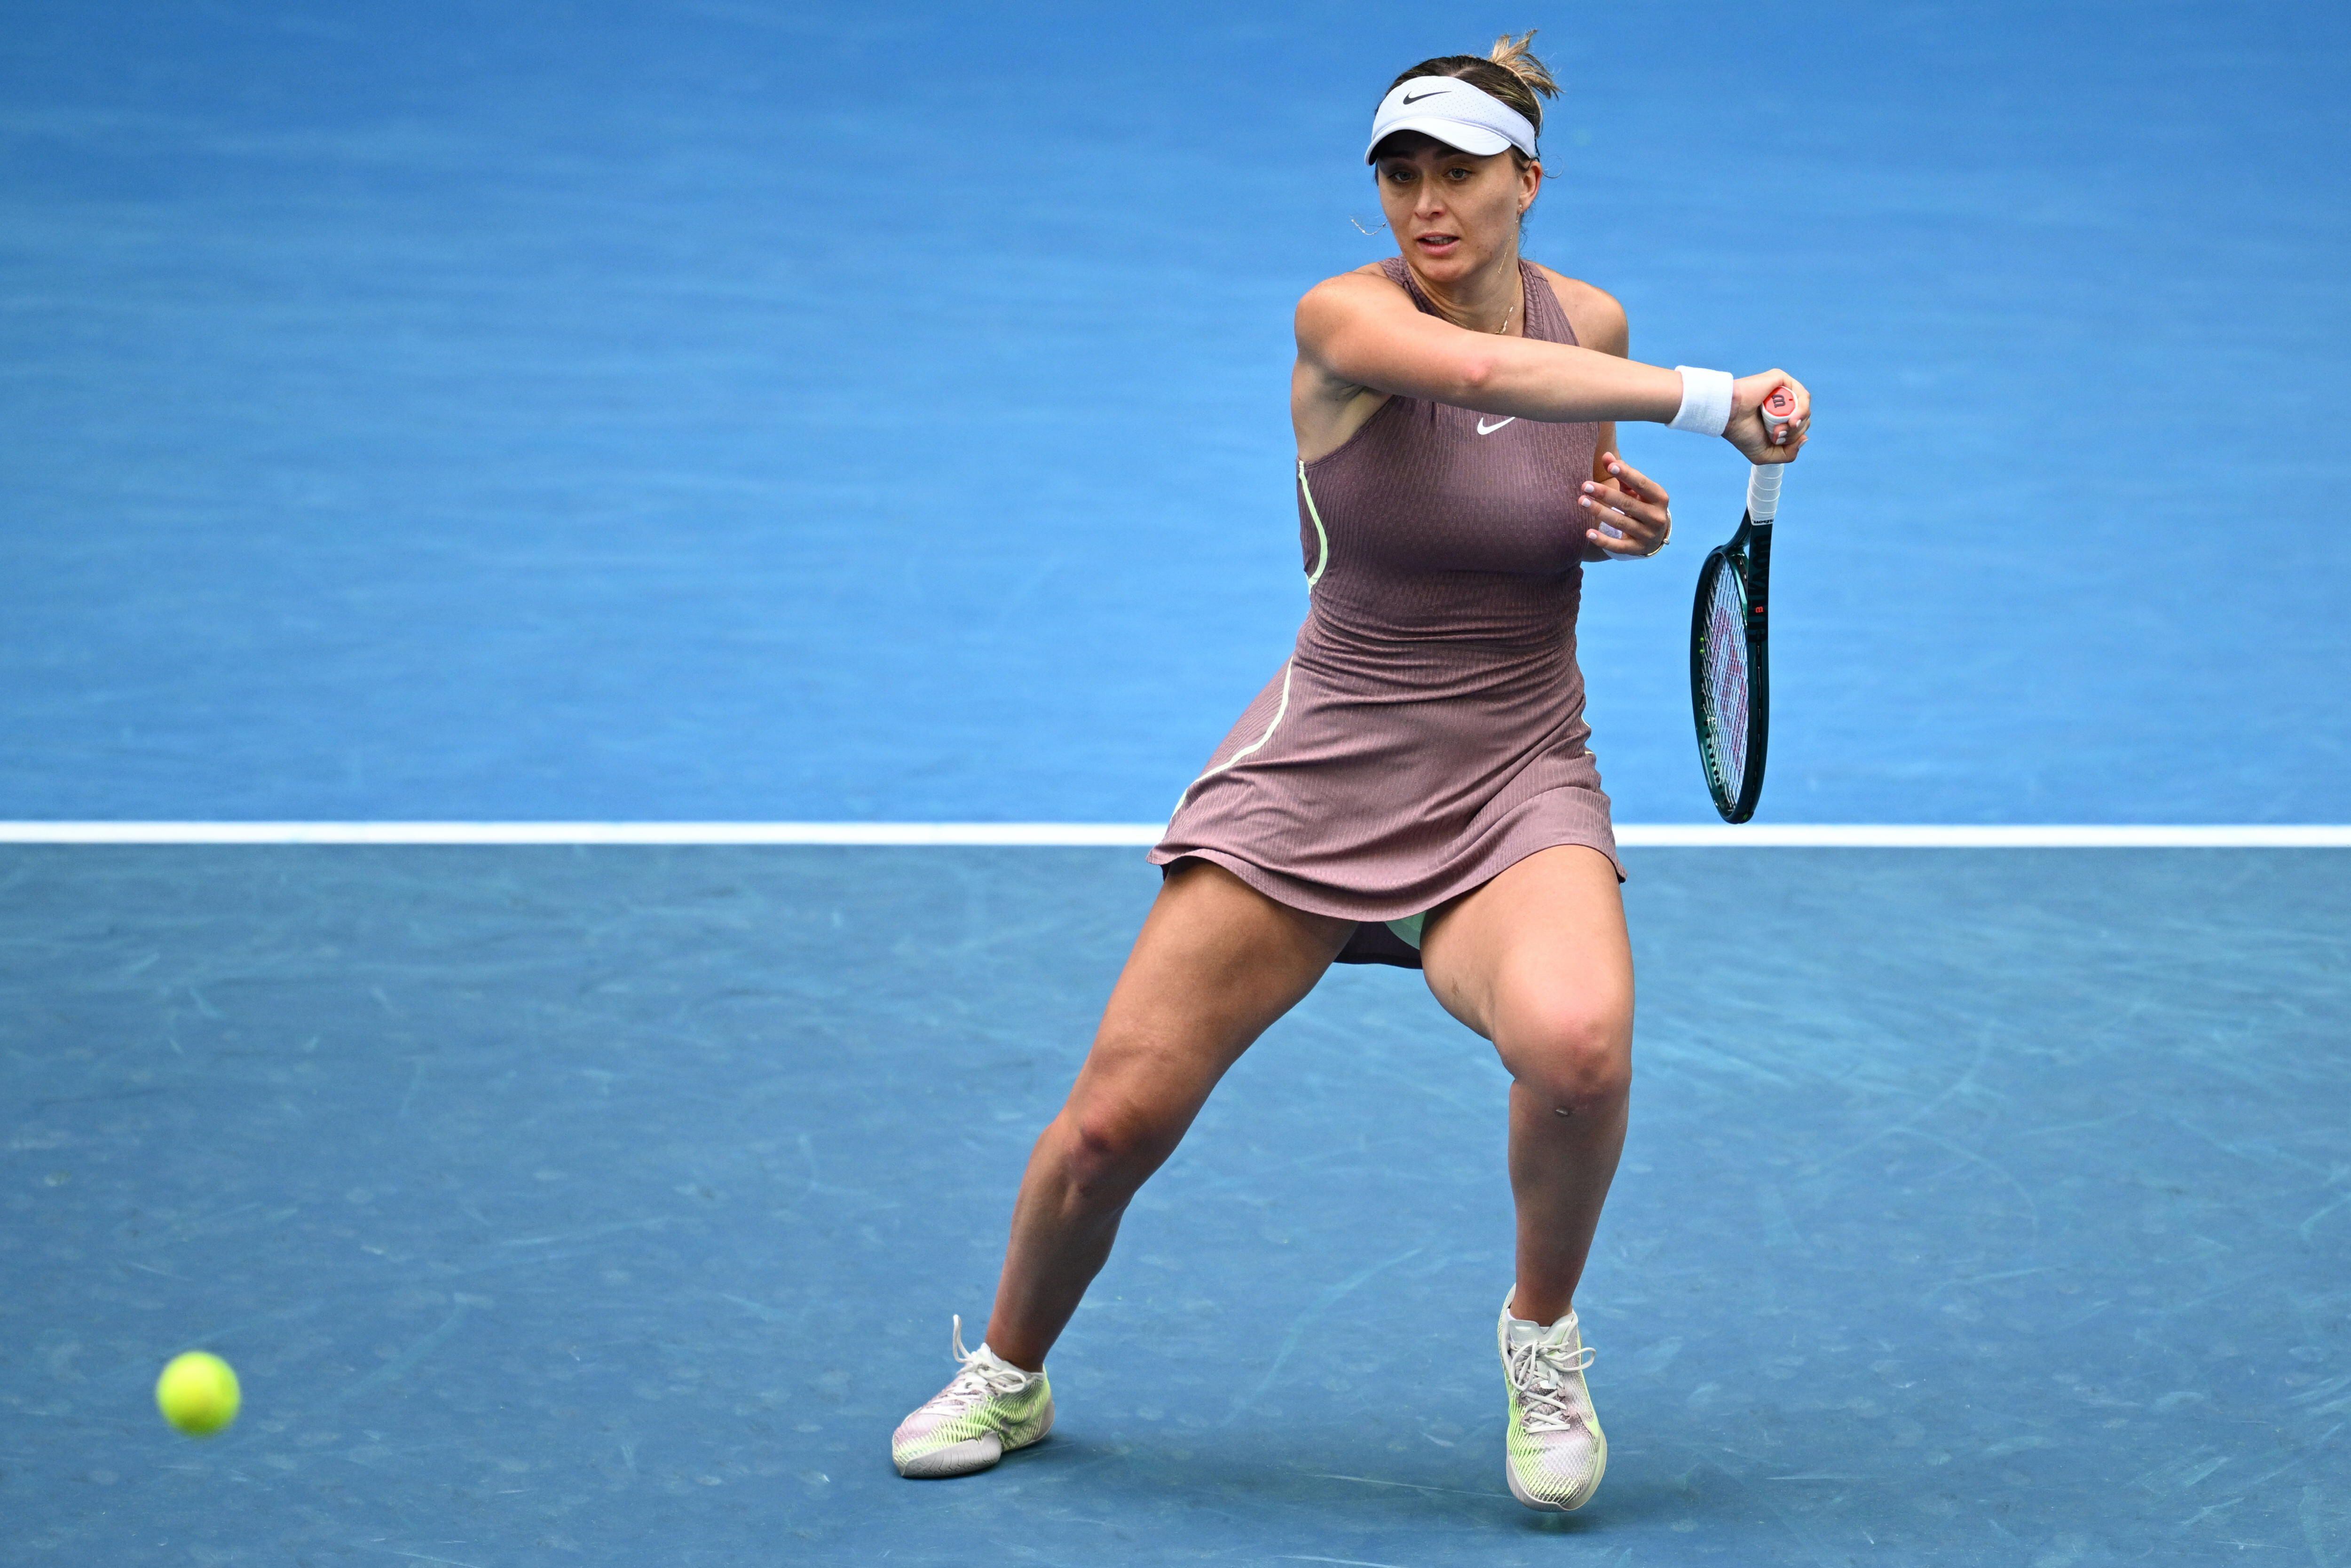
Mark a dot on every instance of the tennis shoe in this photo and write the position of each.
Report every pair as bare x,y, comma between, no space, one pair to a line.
990,1409
1555,1449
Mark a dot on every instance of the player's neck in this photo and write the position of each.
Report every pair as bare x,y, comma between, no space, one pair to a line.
1487,300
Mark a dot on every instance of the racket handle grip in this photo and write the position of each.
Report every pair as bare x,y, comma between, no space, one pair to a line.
1764,492
1778,412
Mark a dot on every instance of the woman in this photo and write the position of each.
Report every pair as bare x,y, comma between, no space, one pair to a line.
1413,786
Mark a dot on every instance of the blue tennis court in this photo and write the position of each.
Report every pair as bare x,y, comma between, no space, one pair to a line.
866,416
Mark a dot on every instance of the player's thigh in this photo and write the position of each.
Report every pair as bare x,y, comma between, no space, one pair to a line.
1216,963
1538,961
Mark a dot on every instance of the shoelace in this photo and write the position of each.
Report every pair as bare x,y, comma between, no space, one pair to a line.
977,1382
1544,1397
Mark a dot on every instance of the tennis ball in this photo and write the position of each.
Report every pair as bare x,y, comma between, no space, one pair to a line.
198,1392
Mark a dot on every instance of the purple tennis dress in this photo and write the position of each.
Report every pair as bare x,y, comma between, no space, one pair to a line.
1428,732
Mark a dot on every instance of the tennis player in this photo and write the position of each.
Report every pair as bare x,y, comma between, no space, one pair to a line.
1413,786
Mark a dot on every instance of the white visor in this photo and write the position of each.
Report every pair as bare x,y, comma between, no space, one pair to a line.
1455,113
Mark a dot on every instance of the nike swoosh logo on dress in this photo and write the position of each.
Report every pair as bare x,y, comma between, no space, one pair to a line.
1484,429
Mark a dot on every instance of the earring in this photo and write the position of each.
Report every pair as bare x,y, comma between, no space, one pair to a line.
1359,227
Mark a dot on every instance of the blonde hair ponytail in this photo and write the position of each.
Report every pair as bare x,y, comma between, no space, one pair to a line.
1514,57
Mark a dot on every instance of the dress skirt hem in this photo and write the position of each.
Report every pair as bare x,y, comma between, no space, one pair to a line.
1572,815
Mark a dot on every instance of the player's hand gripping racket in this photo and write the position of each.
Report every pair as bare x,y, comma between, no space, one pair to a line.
1730,668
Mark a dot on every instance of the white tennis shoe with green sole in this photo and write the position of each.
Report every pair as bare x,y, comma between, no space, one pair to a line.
1555,1449
991,1408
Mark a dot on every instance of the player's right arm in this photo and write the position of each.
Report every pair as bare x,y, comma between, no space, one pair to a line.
1361,337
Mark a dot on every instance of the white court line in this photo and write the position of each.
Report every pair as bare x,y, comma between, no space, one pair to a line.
1632,835
1973,836
1044,834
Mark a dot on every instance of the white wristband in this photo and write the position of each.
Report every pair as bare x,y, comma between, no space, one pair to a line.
1705,401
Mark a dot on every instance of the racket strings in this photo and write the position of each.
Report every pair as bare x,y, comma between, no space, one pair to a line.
1726,678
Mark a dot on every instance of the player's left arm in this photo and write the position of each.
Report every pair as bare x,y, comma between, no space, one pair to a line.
1616,493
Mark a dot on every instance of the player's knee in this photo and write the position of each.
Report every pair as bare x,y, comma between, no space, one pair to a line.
1111,1145
1574,1053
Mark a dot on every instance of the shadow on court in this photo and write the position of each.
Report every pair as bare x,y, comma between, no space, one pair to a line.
565,1206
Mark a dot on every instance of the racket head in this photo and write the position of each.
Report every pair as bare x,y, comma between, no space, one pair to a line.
1729,673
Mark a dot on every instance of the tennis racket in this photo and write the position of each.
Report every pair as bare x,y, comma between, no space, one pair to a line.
1731,667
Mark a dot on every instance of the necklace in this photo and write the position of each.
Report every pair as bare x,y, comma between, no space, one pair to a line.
1499,332
1504,326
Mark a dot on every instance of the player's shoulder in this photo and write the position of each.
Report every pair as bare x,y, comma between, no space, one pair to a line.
1595,313
1576,295
1364,288
1370,281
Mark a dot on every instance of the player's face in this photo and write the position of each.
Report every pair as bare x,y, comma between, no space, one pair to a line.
1453,212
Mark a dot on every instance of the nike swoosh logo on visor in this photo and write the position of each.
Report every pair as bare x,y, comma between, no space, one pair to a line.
1415,98
1484,429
